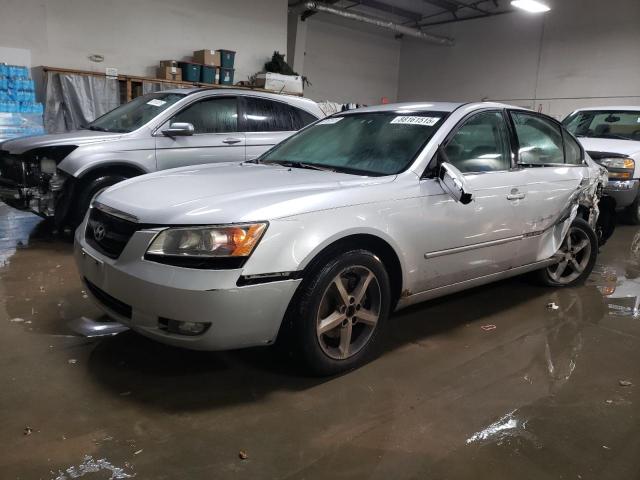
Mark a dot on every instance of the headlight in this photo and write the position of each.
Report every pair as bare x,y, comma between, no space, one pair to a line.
208,242
618,163
48,165
620,168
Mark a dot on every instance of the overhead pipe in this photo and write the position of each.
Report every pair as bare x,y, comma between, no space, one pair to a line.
360,17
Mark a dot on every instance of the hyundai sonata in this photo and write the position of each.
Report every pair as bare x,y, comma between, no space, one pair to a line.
318,240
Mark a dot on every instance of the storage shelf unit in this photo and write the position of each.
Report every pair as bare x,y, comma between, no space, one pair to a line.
131,85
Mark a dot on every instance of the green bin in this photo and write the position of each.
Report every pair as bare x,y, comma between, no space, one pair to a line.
226,76
208,74
227,58
190,71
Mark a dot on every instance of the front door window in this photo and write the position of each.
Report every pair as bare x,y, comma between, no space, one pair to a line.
481,144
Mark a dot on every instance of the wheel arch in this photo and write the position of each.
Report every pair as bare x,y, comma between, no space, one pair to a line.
64,209
111,168
366,241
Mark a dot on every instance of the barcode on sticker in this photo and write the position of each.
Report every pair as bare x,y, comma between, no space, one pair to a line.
412,120
330,121
156,102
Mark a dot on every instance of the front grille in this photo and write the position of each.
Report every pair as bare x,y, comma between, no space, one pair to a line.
107,233
108,301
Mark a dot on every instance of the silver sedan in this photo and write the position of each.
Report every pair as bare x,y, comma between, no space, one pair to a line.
317,241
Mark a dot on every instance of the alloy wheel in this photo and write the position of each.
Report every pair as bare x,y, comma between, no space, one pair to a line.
349,312
575,252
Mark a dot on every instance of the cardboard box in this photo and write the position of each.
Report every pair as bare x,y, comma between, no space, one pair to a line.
170,73
207,57
280,83
168,63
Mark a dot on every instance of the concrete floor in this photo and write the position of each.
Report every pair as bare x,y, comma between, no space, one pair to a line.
537,397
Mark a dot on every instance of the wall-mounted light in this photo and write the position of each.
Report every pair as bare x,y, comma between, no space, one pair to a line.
531,6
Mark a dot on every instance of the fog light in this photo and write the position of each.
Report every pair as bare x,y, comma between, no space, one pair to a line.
621,185
183,328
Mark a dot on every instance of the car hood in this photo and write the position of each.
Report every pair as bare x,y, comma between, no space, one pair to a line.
610,145
232,192
77,137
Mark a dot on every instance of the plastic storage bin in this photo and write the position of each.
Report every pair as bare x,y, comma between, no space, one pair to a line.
208,74
226,76
227,58
190,71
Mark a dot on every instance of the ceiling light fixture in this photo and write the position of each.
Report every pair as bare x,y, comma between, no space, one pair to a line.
531,6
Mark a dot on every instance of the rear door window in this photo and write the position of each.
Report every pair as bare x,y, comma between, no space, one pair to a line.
540,140
263,115
572,151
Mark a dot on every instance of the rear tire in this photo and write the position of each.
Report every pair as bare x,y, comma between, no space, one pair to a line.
337,318
89,190
633,212
579,250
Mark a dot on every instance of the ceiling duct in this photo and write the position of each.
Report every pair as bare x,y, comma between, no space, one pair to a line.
360,17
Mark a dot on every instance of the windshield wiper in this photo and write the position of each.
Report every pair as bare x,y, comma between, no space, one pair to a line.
309,166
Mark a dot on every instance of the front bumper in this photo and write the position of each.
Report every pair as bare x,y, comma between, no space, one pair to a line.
29,199
623,191
239,316
13,197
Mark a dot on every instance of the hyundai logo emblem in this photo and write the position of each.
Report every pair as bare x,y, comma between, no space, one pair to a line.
99,231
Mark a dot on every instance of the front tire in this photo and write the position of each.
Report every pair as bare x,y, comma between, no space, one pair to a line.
339,313
89,190
579,251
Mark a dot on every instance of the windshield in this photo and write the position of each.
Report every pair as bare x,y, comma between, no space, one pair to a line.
377,143
623,124
131,116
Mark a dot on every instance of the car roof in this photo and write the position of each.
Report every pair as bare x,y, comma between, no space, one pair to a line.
430,107
301,102
615,108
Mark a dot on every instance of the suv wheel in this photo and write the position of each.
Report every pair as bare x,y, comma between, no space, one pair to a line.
578,251
89,191
339,313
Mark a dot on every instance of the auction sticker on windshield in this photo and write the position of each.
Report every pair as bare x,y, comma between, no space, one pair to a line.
412,120
156,102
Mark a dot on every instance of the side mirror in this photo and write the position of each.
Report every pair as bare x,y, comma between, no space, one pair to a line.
454,183
179,129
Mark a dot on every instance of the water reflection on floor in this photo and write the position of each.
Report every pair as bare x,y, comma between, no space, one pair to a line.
545,394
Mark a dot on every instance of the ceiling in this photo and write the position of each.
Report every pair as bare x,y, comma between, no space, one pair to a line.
421,13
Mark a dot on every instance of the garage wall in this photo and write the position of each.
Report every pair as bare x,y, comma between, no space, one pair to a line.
134,35
582,53
350,62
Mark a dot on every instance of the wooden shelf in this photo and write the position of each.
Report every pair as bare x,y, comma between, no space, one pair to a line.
131,85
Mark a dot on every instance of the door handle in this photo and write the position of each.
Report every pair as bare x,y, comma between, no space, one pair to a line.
516,196
231,141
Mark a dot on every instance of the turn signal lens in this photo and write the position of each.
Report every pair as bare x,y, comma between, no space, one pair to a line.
620,175
219,241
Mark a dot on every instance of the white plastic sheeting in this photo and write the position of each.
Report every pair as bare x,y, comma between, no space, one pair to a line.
75,100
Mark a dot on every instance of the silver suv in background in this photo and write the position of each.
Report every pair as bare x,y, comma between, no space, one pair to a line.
611,135
58,175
